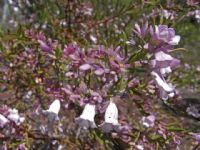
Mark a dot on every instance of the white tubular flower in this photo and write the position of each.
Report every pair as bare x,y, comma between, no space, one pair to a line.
54,107
52,114
86,119
111,119
3,121
111,115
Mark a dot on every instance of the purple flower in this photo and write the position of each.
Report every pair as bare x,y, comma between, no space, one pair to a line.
99,71
116,60
86,119
87,9
164,34
197,15
133,83
193,110
29,33
44,46
21,147
85,67
40,36
161,65
3,121
196,136
148,121
69,49
96,97
14,116
163,62
166,13
192,2
162,39
141,31
47,45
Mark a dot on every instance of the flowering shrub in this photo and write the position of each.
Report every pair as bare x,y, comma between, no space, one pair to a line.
82,80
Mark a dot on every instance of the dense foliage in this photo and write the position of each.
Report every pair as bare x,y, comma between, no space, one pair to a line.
99,74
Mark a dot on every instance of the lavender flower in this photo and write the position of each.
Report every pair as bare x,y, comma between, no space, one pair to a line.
86,119
69,49
141,31
197,15
3,121
46,46
148,121
99,71
164,34
87,9
193,111
111,119
196,136
163,39
192,2
165,63
14,116
85,67
166,13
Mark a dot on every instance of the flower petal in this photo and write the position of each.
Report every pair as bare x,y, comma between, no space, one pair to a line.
54,107
86,119
111,114
175,40
85,67
162,83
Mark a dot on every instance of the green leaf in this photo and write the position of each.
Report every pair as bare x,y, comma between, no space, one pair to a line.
177,129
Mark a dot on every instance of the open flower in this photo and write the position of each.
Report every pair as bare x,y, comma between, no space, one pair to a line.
69,49
163,62
86,119
52,114
148,121
196,137
141,31
162,39
111,119
165,34
47,45
14,116
166,90
3,121
54,107
85,67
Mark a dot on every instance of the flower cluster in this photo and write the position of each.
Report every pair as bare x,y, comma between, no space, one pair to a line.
86,119
162,40
8,115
